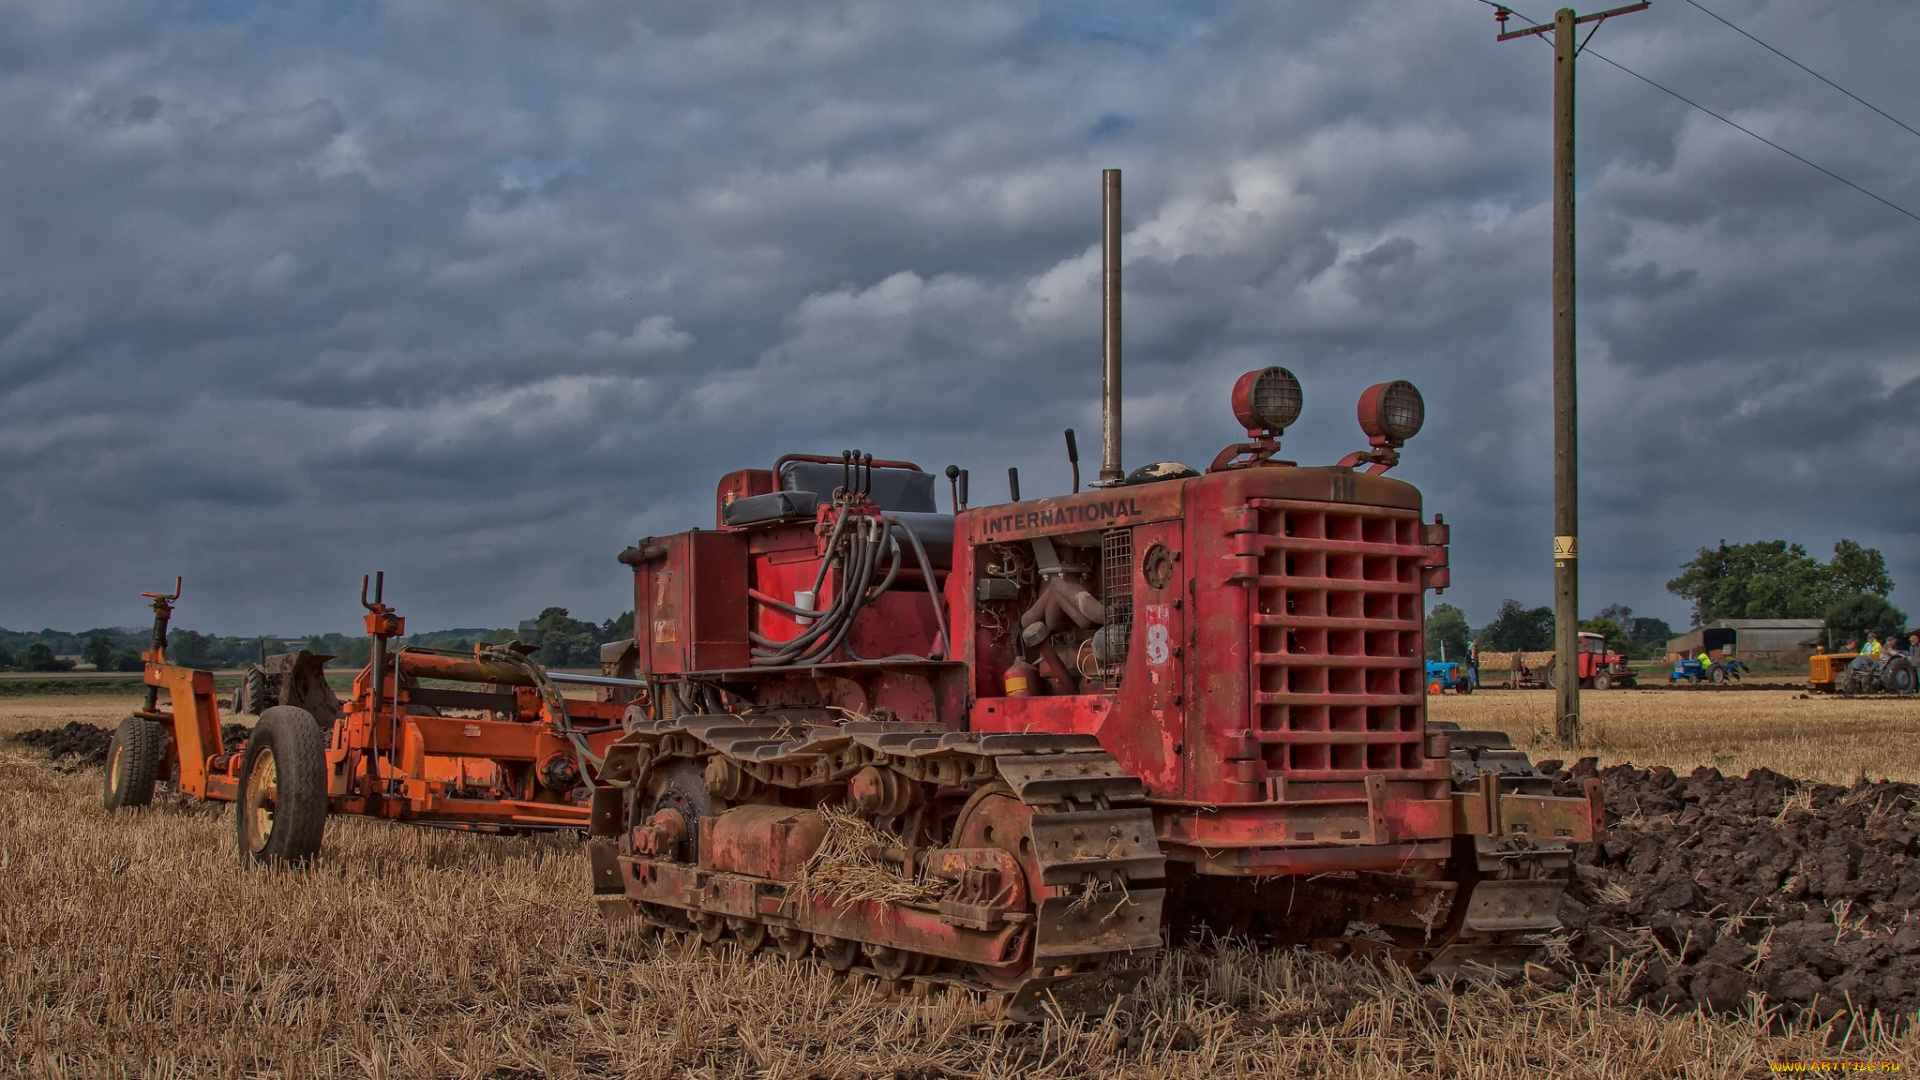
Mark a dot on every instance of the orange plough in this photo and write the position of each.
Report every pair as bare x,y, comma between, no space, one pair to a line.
482,740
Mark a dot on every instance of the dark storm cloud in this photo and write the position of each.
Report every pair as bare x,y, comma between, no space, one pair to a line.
478,293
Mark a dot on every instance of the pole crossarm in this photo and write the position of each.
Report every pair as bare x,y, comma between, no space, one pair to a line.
1547,28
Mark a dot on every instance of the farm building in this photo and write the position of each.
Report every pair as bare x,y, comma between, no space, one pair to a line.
1757,641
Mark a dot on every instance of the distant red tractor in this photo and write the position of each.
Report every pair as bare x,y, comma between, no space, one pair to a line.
1600,667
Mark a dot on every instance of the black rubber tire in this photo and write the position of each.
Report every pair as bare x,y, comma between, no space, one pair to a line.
1898,677
133,763
1717,674
256,691
1551,675
1602,681
290,832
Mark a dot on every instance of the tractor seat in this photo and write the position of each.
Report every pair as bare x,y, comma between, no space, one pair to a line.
773,506
935,533
903,494
903,490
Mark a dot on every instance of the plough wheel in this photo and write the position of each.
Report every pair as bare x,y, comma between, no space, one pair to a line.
133,763
282,808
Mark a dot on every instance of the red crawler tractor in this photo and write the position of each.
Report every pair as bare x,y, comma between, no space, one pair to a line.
1013,748
499,748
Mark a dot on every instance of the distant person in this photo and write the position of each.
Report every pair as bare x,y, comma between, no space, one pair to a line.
1473,663
1869,654
1896,645
1706,661
1913,645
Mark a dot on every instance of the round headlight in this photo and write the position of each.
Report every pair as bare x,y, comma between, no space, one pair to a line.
1394,410
1268,399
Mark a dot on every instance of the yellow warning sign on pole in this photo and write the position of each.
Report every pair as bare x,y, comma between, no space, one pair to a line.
1566,547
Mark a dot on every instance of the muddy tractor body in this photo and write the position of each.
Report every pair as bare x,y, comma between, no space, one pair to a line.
477,740
1013,747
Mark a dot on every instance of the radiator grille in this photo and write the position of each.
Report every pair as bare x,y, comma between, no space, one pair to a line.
1337,640
1116,592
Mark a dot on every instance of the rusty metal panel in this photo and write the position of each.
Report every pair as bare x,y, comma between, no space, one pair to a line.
1117,839
1093,510
1068,995
772,842
1116,921
695,603
1513,906
604,857
715,634
1456,961
1542,817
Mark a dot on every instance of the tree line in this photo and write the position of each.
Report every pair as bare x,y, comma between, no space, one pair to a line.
1766,579
559,640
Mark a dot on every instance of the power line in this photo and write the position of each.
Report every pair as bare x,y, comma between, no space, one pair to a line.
1807,69
1764,139
1737,127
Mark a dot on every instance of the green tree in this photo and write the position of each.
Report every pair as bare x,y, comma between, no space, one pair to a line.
1854,615
39,657
1649,631
190,648
6,657
563,640
99,652
1854,569
127,660
620,629
1772,579
1616,638
1447,626
1518,629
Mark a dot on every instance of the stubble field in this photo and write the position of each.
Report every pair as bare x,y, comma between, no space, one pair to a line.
1805,736
135,946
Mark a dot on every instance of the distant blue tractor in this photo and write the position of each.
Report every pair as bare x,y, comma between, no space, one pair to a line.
1717,672
1449,675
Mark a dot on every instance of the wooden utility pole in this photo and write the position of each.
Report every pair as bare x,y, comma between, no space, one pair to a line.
1566,395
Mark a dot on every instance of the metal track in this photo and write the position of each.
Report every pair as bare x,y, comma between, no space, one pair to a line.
1510,888
1092,846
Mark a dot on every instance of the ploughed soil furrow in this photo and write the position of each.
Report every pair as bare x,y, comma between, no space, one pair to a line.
1724,887
84,741
89,742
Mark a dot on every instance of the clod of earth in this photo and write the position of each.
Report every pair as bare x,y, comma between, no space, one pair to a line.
1726,887
90,742
84,741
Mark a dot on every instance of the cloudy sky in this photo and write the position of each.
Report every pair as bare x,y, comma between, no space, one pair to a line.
478,293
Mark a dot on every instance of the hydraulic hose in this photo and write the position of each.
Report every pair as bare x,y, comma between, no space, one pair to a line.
550,696
854,571
858,558
933,588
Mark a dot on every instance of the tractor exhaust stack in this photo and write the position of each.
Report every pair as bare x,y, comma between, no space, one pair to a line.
1110,470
